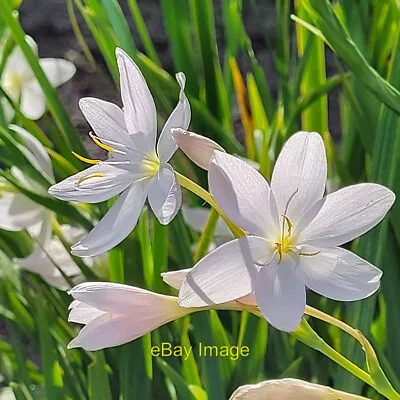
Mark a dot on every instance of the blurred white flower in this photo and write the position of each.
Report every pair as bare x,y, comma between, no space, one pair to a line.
138,167
197,217
290,389
18,212
114,314
20,83
294,233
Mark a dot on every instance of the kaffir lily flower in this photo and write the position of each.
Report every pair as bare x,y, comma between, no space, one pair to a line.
18,212
20,83
294,389
138,167
294,231
114,314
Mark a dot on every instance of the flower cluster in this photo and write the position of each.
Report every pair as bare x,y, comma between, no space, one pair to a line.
292,229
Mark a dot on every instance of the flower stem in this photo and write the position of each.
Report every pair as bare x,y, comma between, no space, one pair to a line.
206,196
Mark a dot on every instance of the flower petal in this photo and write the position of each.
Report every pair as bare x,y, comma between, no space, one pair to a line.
134,312
93,185
106,119
33,102
116,225
40,158
347,214
243,194
197,217
179,118
200,149
57,70
18,212
82,313
121,299
225,274
175,278
299,177
139,108
281,294
339,274
165,195
289,389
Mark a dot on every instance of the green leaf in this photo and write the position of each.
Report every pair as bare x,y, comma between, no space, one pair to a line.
338,39
182,388
99,386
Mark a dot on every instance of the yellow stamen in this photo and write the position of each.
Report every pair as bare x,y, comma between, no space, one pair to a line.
84,159
279,248
95,175
309,254
288,222
103,146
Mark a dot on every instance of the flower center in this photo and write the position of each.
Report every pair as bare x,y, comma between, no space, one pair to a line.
14,82
151,164
285,243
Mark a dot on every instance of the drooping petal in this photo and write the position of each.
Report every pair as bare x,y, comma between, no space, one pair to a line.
106,119
197,217
165,195
179,118
139,108
294,389
33,102
18,212
116,225
281,294
243,194
39,156
347,214
299,177
82,313
175,278
225,274
339,274
200,149
93,185
57,70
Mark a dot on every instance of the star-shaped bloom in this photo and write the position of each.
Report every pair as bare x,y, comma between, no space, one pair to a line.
20,83
294,234
138,167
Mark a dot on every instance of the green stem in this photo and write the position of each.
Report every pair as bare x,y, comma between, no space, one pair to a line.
207,235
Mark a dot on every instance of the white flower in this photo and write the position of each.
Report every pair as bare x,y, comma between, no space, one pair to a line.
294,233
138,167
18,212
114,314
293,389
41,260
20,83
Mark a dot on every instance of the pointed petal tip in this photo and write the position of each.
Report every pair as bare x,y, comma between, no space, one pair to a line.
181,78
